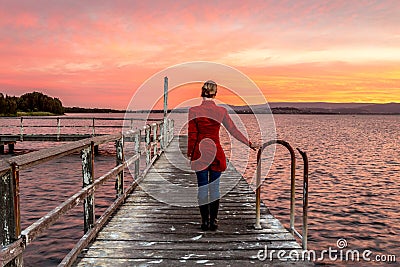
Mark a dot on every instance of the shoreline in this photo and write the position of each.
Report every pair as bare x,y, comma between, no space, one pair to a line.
47,114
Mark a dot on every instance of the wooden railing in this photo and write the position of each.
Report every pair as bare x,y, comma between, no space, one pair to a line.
156,138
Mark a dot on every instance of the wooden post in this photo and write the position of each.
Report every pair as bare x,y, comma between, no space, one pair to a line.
171,125
154,130
93,128
22,130
137,151
132,125
147,145
58,129
164,141
10,217
119,183
87,156
10,148
162,137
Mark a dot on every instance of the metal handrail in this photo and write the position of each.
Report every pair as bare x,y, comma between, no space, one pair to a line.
257,225
305,198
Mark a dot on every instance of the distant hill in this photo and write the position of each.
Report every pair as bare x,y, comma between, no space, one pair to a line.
320,108
280,108
91,110
316,105
383,108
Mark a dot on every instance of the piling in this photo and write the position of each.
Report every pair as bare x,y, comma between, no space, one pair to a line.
10,148
87,156
10,219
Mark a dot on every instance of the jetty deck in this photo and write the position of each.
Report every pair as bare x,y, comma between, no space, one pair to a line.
145,231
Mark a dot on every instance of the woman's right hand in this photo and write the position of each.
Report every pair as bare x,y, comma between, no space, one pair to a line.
255,146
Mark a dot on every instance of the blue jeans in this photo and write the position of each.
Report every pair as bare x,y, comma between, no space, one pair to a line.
208,186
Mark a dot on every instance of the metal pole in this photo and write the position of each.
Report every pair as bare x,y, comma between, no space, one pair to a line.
258,191
165,124
292,187
305,200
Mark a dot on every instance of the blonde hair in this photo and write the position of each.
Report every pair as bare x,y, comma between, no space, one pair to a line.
209,89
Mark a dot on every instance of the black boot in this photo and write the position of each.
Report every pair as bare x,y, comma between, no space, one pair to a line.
214,206
204,211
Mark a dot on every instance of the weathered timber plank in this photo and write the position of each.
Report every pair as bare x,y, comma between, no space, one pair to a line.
153,205
171,213
189,262
249,206
143,196
200,254
144,210
102,243
203,237
143,215
187,228
226,198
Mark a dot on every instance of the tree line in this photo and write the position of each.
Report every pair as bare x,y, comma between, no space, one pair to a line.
30,102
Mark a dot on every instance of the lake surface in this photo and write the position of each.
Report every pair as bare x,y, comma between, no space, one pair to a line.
354,183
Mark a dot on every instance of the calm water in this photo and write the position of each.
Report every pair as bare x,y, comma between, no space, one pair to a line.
354,184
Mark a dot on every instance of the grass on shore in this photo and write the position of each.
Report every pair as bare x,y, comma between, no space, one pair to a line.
32,113
35,113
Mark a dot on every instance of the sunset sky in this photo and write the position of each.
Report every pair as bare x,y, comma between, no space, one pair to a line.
97,53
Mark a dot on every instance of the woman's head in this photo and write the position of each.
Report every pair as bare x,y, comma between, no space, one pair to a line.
209,89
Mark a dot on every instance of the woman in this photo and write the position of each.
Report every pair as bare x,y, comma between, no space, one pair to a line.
206,154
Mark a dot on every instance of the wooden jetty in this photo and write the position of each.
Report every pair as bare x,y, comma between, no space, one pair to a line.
137,229
146,232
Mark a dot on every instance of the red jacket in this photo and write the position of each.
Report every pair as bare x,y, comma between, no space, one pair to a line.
204,147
